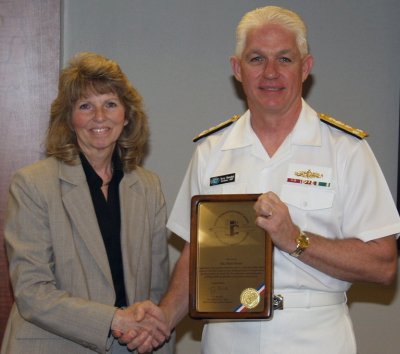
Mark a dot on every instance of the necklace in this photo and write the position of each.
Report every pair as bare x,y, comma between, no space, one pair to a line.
109,181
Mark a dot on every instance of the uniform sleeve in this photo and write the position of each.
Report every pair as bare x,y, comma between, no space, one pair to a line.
369,209
179,220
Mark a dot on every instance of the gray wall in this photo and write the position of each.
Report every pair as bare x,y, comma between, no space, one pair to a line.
176,52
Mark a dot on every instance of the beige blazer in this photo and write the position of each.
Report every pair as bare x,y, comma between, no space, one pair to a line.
58,264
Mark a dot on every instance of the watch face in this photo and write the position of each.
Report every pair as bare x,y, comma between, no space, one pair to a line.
303,243
303,240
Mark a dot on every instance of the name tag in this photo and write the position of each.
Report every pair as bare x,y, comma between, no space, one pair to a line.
214,181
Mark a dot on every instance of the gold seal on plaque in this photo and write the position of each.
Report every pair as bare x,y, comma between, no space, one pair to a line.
249,298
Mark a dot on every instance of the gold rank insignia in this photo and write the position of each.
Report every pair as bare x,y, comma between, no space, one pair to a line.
358,133
309,174
218,127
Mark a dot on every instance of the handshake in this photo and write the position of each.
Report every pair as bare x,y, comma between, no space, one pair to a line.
141,326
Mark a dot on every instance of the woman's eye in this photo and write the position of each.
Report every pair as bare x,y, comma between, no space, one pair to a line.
84,106
111,104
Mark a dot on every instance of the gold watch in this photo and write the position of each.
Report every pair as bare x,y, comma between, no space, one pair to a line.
303,241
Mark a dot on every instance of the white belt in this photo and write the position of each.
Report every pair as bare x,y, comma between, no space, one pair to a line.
307,299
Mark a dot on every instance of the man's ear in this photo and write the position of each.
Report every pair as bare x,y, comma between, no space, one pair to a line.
235,64
308,62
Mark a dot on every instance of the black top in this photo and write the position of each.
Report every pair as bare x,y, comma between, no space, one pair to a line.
108,214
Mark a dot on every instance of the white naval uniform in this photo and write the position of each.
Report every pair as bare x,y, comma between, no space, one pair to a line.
348,198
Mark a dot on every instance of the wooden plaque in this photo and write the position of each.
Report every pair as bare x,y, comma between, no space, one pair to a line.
230,275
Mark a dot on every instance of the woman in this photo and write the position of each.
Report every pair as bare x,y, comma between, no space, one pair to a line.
85,229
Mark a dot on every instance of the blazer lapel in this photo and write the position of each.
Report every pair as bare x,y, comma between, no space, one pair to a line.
134,226
78,204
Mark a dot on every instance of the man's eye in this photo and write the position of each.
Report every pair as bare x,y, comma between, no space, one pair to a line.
256,59
285,60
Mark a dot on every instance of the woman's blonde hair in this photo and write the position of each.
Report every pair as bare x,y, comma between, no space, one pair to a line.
271,15
91,72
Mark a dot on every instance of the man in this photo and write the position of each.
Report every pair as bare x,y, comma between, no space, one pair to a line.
325,202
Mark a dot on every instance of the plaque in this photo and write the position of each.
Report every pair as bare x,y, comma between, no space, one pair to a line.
230,274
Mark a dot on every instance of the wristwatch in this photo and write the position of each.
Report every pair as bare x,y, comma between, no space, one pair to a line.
303,241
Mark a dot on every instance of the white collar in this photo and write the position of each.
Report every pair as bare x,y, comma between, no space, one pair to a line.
306,131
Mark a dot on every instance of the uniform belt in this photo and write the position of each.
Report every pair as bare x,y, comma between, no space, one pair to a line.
307,299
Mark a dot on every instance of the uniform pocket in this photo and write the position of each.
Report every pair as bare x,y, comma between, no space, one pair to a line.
307,197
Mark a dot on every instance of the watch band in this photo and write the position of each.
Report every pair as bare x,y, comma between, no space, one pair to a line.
303,241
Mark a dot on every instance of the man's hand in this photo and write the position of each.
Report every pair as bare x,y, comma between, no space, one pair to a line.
273,216
141,326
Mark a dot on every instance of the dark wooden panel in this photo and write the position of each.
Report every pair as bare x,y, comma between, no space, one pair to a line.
29,65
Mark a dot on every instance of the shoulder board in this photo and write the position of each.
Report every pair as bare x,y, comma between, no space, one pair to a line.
358,133
218,127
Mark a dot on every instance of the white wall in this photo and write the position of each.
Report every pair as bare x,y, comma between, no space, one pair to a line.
176,52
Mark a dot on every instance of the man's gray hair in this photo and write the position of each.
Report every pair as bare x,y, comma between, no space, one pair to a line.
271,15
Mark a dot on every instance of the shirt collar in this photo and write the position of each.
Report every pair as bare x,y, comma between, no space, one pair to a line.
93,178
241,133
306,131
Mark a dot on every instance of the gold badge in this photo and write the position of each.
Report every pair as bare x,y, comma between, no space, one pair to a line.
249,298
308,174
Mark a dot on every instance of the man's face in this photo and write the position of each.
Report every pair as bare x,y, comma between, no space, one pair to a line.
271,70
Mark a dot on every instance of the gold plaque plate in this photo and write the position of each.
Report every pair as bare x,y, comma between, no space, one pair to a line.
230,273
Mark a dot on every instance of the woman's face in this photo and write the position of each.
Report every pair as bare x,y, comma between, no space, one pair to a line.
98,121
